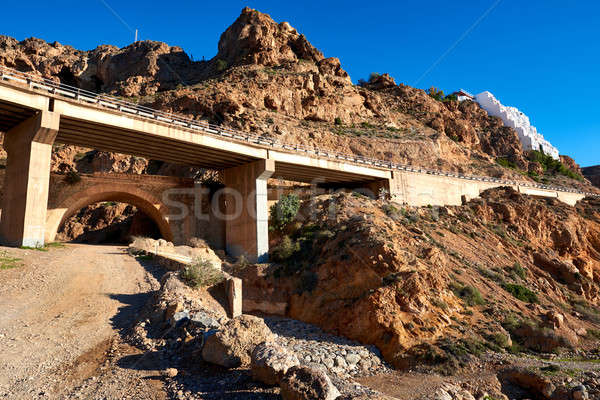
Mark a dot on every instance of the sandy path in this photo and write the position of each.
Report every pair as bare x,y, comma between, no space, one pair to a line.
61,312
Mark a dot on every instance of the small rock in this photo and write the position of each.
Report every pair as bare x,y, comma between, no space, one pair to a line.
340,362
205,321
580,393
352,358
170,372
179,318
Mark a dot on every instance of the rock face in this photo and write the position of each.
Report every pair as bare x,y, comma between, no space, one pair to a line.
592,174
141,68
254,38
303,383
530,138
270,362
234,343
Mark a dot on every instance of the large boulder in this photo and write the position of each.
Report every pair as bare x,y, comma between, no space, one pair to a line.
270,362
232,345
537,385
303,383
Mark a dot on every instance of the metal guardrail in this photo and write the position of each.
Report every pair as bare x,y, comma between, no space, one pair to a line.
126,107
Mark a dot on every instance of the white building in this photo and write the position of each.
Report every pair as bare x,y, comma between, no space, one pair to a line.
463,95
530,138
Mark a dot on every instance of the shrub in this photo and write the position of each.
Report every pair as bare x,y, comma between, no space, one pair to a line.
519,271
552,166
338,121
201,273
284,211
284,250
521,293
469,294
374,76
500,339
72,177
504,162
439,303
221,65
593,333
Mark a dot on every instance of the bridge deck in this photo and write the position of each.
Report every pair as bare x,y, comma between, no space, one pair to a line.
110,124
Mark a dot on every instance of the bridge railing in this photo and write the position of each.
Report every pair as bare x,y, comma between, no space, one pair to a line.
127,107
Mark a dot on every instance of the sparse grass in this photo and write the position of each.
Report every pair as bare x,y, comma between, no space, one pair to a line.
45,247
200,274
439,303
9,262
469,294
518,270
521,292
593,334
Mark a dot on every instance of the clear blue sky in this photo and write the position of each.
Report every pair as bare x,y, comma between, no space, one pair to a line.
542,56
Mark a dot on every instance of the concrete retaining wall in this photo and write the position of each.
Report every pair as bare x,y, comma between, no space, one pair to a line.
420,189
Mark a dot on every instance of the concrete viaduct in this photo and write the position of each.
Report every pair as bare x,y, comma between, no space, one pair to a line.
36,113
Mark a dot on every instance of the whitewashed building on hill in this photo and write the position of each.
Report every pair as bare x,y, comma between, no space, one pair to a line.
463,95
530,138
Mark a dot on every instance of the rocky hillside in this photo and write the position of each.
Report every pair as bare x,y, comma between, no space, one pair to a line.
268,79
592,174
432,285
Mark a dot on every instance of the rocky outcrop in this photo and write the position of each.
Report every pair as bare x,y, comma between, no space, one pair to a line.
254,38
139,69
592,174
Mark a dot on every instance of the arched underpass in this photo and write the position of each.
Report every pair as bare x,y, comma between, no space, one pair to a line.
107,222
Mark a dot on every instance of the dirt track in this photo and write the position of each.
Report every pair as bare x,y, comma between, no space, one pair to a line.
63,313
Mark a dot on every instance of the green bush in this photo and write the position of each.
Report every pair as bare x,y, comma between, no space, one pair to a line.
338,121
552,166
521,293
221,65
469,294
504,162
201,273
519,271
284,211
284,250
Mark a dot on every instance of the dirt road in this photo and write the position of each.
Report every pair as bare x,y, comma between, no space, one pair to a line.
62,314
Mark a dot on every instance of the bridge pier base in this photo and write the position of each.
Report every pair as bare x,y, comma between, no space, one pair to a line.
246,215
27,180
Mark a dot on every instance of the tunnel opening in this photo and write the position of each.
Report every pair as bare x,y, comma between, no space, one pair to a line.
108,222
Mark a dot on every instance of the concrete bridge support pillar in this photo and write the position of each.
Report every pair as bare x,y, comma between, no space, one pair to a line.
246,213
27,179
